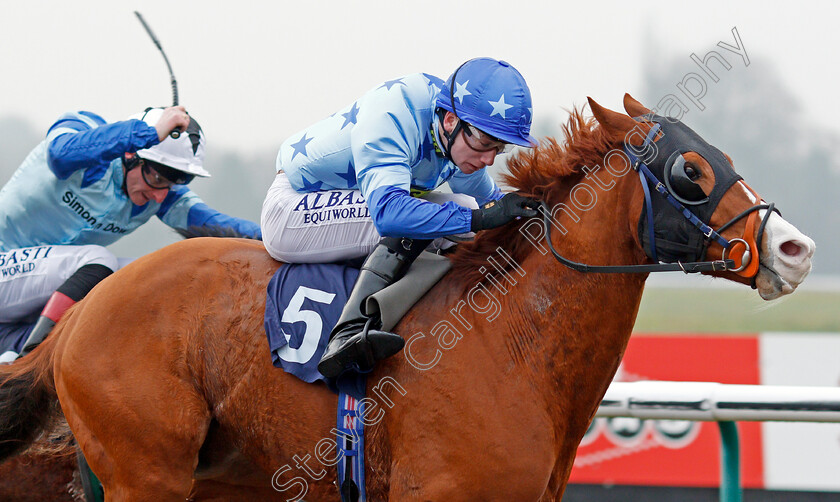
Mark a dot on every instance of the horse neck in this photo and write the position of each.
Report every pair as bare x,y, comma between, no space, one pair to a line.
565,331
598,233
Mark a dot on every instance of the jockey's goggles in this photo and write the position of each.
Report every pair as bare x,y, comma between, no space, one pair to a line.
159,176
480,141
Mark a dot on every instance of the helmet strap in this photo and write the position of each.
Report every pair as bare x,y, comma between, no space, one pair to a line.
450,136
446,149
131,163
128,165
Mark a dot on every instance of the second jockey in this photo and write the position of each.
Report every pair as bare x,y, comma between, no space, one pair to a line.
88,184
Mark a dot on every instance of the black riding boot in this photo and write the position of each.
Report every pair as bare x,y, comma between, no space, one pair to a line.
42,328
351,346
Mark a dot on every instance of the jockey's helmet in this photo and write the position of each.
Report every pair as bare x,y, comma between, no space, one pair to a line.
185,154
492,96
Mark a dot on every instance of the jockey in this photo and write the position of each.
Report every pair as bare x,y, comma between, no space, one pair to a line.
358,183
85,186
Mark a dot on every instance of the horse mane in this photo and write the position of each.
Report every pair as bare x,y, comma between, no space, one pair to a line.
547,172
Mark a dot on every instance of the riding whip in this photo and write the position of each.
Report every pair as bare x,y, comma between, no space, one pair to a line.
175,134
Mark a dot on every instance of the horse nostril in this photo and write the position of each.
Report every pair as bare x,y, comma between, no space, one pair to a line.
790,248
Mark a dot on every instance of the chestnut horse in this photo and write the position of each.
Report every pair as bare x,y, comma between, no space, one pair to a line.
164,375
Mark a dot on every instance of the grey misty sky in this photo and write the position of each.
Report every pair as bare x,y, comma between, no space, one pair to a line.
254,73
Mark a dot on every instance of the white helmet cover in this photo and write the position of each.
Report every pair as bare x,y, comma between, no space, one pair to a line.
186,153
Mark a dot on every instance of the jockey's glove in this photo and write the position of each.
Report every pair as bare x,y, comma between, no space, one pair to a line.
498,212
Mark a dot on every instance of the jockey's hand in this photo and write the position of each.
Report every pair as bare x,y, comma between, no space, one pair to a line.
174,117
498,212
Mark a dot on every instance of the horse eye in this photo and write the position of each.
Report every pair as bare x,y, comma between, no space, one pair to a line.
692,172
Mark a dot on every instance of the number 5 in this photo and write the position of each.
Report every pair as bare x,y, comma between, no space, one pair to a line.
313,321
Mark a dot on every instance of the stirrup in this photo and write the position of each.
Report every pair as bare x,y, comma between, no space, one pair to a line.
382,344
359,351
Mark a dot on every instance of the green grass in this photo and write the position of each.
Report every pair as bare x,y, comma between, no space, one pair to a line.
708,310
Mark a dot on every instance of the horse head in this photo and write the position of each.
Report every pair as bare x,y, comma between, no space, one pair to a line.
703,209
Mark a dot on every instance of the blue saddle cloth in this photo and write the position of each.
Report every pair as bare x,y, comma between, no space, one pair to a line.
303,303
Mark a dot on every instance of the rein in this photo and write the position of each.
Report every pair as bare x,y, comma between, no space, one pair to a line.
747,267
688,268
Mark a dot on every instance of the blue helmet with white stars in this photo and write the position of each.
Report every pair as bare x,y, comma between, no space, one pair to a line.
492,96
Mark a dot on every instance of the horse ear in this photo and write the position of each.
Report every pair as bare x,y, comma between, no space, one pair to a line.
616,124
633,107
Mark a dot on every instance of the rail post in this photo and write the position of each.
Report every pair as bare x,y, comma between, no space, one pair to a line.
725,404
730,463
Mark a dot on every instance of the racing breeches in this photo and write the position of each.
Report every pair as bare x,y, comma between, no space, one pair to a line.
327,226
29,276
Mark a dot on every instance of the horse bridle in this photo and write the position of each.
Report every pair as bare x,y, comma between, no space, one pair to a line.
749,260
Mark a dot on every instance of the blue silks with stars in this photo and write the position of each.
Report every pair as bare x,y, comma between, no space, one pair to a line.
383,145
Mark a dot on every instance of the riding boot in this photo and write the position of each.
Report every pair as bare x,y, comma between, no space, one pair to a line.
56,306
74,289
356,341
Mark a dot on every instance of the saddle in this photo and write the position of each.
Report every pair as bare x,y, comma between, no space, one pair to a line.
304,301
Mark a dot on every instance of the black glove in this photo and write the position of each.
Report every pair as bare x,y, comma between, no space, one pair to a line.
498,212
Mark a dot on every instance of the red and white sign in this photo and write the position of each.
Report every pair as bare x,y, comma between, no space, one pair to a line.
804,456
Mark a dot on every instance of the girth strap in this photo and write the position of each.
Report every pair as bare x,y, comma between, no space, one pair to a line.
350,442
